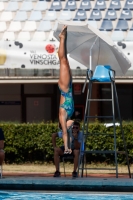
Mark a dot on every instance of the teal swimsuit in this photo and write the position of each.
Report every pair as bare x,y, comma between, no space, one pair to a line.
68,105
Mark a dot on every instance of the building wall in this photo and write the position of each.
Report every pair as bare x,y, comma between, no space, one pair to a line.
40,102
94,106
10,102
125,99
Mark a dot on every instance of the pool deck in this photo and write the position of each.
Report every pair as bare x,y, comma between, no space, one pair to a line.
43,181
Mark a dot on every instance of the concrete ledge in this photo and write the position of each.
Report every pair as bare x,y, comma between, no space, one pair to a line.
67,184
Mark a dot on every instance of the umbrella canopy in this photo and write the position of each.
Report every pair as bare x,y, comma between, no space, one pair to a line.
84,41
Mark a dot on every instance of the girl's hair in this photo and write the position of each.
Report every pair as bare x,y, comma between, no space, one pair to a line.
74,123
59,125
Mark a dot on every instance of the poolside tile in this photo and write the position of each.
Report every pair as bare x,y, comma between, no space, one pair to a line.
67,183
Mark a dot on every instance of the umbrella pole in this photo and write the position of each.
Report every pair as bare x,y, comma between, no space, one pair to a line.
91,52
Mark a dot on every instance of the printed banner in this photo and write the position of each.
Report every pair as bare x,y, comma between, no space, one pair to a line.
31,54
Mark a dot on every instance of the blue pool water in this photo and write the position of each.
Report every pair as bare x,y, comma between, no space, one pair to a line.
11,195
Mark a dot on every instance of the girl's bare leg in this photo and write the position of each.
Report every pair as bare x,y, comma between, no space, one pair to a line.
65,72
62,119
64,81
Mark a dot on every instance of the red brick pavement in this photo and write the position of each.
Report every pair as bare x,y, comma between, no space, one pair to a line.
28,174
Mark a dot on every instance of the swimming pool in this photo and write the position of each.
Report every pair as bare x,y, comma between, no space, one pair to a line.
24,195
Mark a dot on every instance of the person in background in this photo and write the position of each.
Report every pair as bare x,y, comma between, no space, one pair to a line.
59,151
2,153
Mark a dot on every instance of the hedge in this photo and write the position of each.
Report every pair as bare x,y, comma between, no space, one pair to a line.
33,142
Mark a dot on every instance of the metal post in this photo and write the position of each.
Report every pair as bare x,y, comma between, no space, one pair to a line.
91,52
113,112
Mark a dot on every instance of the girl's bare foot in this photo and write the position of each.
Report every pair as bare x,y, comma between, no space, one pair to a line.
63,32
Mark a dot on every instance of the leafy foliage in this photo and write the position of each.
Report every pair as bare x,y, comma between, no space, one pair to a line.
33,142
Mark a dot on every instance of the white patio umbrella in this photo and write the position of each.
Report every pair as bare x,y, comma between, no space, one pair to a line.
90,47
